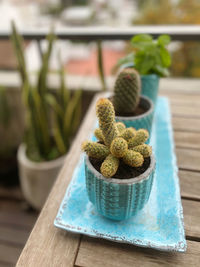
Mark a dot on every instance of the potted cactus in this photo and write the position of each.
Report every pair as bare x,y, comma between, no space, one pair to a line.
131,108
51,121
151,59
119,167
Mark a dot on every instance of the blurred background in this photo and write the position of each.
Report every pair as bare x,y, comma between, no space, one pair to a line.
80,68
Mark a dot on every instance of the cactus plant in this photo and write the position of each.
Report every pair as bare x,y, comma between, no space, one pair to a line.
127,91
47,137
118,144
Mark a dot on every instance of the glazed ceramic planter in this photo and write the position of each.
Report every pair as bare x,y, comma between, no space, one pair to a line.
36,179
150,85
118,199
144,120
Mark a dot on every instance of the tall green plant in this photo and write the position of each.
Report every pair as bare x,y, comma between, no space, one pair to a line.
52,118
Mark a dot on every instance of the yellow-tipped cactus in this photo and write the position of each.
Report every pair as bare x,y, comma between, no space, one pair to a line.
95,150
119,147
110,166
106,115
119,143
99,135
120,126
133,158
143,149
140,137
128,133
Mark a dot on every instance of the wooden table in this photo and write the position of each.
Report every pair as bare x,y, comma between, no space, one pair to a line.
49,246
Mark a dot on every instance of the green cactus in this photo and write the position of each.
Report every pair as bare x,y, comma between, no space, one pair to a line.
127,91
128,133
109,166
133,158
141,136
143,149
99,135
120,143
120,126
106,114
95,150
118,147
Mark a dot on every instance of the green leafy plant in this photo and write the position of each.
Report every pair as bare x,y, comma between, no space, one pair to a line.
149,55
117,143
52,118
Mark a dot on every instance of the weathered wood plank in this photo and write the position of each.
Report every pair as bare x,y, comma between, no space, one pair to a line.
188,159
96,252
15,236
48,246
11,193
181,98
190,184
191,213
186,124
186,111
9,254
187,139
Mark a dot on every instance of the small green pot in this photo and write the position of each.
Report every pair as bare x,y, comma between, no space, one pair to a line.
143,121
118,199
150,85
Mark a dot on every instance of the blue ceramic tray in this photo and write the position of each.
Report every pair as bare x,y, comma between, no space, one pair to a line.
159,225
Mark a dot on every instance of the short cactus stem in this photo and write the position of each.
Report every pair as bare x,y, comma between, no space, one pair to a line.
120,126
127,91
95,150
99,135
109,166
106,115
140,137
133,158
128,133
118,147
143,149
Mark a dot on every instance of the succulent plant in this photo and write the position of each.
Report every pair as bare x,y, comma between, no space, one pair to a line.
116,142
127,91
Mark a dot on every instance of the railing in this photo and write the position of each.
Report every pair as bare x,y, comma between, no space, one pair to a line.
177,33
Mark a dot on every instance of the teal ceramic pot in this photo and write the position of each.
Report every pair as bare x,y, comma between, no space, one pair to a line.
144,120
118,199
150,85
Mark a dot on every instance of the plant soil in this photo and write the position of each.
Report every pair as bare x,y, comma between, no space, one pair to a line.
124,171
138,111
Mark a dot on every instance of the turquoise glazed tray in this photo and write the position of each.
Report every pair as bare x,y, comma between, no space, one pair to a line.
159,224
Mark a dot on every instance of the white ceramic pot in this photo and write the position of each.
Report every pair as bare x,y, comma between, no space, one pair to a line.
36,179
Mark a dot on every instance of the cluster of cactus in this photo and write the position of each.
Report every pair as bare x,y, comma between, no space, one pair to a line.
116,142
127,91
51,117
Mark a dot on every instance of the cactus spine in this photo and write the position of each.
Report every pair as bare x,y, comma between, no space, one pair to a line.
127,91
119,143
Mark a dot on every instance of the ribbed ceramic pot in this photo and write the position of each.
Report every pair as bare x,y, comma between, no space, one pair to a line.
144,120
150,85
118,199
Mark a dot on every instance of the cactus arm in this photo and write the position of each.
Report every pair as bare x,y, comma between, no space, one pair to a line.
120,126
119,147
128,133
99,135
133,158
140,137
95,150
143,149
110,166
106,114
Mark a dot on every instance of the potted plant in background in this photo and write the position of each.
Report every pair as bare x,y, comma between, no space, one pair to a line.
151,59
51,121
131,108
10,139
119,168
